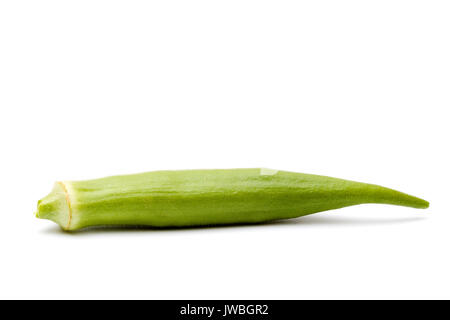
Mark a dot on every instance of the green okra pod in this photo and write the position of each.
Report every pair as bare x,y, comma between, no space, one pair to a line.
206,197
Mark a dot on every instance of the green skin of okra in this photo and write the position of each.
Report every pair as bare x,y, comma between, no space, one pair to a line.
206,197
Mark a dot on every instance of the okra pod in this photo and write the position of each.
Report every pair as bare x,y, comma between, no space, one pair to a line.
206,197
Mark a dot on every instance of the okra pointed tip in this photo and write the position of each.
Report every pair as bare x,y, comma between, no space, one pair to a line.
414,202
424,204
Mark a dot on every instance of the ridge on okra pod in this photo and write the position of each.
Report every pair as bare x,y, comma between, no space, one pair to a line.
206,197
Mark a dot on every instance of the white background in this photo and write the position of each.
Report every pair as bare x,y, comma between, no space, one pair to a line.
351,89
